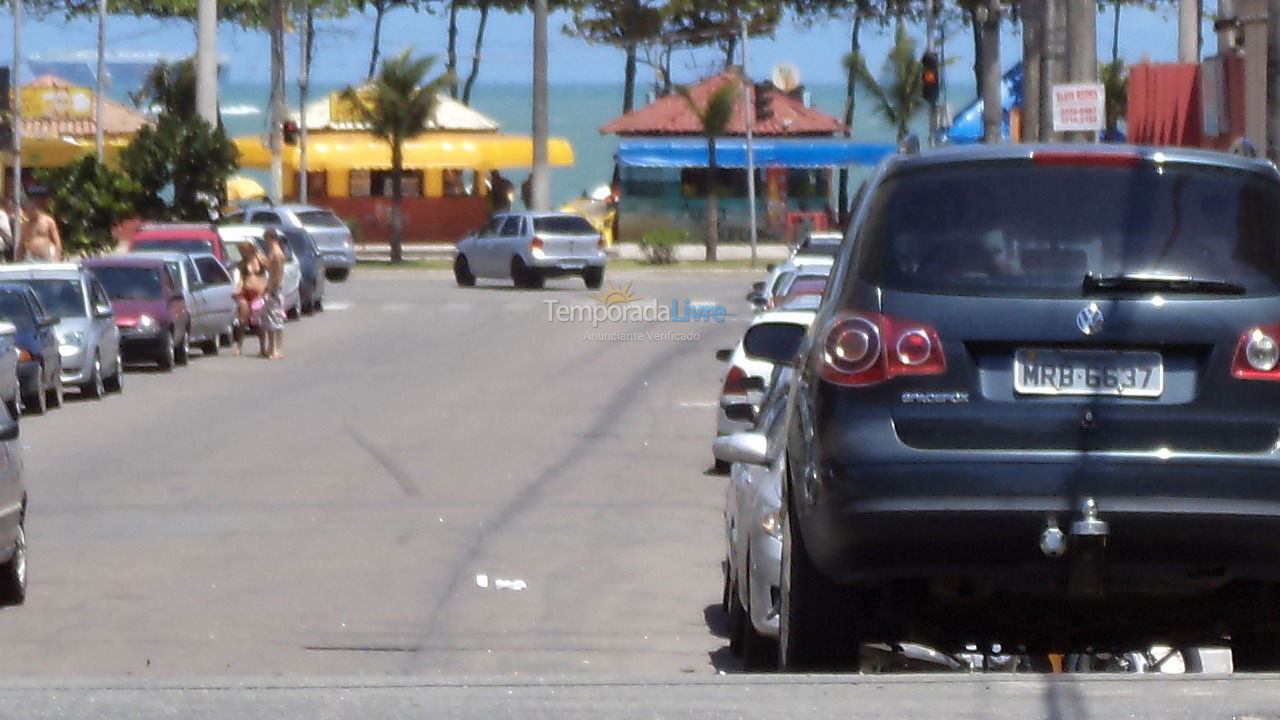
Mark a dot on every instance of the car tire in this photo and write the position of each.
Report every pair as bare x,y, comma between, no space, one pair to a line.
168,356
94,388
338,274
724,588
182,350
294,312
721,467
525,277
593,277
462,272
815,632
37,402
210,346
115,383
738,620
1256,651
13,573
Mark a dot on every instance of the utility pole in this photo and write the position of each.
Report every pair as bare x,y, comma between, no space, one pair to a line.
1082,24
539,176
930,36
1188,31
206,60
15,81
1053,63
100,80
1032,61
748,123
1273,79
992,83
304,84
277,110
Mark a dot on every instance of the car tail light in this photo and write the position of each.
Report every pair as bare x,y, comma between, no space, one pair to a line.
1086,157
735,382
1258,354
535,245
868,348
23,355
599,242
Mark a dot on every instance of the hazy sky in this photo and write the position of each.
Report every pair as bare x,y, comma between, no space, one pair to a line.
343,51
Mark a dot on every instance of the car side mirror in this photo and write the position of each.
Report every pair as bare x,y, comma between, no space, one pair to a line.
178,296
776,342
757,299
770,267
723,354
49,321
740,412
744,447
753,383
102,311
757,286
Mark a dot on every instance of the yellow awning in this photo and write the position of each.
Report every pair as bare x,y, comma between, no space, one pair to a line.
360,150
56,152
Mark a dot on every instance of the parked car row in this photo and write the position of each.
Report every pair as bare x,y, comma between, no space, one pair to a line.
1040,417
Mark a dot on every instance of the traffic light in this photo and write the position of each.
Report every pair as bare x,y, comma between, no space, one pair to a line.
289,129
764,109
929,77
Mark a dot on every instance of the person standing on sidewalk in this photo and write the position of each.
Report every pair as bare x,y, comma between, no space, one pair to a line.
7,211
273,309
40,240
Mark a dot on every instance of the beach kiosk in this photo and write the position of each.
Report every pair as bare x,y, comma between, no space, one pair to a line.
447,172
662,163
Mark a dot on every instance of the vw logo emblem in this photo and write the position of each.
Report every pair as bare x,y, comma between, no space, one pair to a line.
1089,320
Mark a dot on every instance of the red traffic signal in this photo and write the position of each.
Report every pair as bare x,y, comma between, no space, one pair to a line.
929,77
289,129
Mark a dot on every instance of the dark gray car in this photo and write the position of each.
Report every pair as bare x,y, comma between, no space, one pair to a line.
1038,407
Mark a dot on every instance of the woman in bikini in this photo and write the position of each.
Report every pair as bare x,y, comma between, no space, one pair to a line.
251,286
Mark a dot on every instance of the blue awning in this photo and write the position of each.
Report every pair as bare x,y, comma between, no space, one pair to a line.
768,152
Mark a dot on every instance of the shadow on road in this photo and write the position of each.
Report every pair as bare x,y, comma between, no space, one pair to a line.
722,658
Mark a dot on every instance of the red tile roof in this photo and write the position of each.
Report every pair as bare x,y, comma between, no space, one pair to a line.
671,114
117,119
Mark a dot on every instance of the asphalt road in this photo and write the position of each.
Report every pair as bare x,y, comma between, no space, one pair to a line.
215,542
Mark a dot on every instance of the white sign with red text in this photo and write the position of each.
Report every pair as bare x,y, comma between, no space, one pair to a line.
1078,107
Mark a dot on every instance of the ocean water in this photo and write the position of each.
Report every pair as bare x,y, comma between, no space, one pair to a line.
576,113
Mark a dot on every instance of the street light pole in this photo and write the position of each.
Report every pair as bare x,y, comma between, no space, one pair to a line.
748,121
206,60
100,81
277,110
304,84
15,81
539,178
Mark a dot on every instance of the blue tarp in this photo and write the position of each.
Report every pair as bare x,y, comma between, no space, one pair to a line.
767,152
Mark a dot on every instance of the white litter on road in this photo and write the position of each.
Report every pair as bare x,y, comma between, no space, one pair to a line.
697,403
517,584
336,305
482,581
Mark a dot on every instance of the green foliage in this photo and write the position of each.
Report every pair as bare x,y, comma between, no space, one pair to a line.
1115,80
659,245
171,86
715,115
185,156
88,199
897,94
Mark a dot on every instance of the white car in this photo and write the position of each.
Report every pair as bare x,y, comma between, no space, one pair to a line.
529,247
291,286
764,295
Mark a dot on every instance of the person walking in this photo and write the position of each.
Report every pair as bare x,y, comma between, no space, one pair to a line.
41,241
7,211
273,308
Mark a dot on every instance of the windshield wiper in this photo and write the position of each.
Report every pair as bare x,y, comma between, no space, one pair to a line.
1146,283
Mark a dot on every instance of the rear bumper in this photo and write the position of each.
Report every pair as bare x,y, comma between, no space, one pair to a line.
1175,525
568,265
339,259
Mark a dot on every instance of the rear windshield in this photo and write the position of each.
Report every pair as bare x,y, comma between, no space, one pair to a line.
129,283
564,225
1015,229
319,218
173,244
824,249
63,298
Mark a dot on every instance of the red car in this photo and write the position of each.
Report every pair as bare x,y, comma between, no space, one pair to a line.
150,311
179,237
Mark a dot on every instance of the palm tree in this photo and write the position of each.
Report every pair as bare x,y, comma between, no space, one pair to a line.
396,106
714,118
897,96
1115,81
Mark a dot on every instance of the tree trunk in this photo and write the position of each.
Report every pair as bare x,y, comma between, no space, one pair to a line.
451,54
475,58
992,80
629,79
666,69
379,9
1115,35
730,49
397,219
850,103
713,202
977,47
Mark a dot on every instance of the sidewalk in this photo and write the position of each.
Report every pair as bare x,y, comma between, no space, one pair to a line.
768,252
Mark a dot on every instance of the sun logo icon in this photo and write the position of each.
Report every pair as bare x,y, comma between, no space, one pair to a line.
614,295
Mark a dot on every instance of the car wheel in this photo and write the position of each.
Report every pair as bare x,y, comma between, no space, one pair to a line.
94,388
722,467
593,277
523,276
1256,651
737,620
115,383
13,574
462,272
724,588
293,313
56,392
168,356
815,633
182,350
210,346
339,274
36,403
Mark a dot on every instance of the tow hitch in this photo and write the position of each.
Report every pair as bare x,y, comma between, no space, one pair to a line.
1087,544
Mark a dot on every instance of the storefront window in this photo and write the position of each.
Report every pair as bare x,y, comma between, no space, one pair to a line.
377,183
